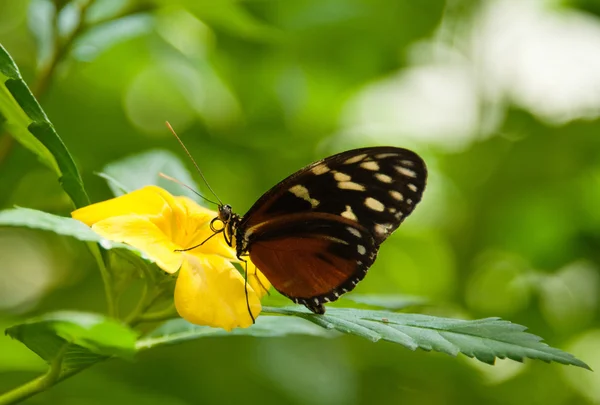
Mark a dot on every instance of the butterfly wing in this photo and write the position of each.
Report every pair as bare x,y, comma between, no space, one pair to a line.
369,190
377,187
313,258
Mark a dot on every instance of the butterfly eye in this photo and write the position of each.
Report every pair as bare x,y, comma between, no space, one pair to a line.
225,213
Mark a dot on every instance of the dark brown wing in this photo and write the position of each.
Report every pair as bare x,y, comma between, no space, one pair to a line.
377,187
313,258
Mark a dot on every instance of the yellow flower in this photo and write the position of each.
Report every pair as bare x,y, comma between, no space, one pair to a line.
209,290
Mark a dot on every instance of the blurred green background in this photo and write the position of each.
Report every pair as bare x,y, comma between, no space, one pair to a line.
501,98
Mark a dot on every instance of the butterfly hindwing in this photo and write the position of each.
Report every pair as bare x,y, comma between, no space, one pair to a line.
311,258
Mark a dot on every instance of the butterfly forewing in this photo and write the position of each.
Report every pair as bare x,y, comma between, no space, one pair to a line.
373,186
316,233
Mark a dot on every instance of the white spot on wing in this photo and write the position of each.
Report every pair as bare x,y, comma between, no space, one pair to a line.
384,178
405,172
349,213
341,177
302,192
320,169
385,155
383,229
355,159
353,231
408,163
396,195
412,187
350,185
334,239
370,166
374,204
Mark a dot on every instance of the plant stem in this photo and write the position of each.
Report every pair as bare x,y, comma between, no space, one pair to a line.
140,307
111,306
38,384
157,316
140,315
24,391
61,48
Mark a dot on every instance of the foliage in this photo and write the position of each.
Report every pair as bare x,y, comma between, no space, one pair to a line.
509,225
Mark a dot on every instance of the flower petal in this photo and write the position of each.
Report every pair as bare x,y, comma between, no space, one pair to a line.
210,291
257,280
150,200
140,232
191,207
196,229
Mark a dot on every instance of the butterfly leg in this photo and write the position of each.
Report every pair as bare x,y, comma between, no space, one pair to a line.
246,288
199,244
260,282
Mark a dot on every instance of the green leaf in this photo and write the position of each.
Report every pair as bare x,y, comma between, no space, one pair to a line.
81,338
115,185
179,330
137,171
28,124
35,219
100,38
392,302
484,339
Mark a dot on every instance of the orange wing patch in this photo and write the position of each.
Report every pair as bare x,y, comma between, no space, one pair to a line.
301,266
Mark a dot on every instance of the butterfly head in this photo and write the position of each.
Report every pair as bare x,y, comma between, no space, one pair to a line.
229,220
225,214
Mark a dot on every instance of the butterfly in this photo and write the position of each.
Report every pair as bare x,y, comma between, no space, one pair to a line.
315,234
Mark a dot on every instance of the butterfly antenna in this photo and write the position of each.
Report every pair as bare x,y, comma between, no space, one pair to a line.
194,162
174,180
